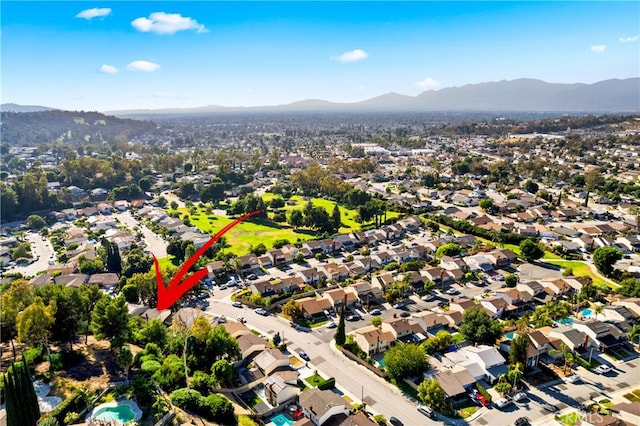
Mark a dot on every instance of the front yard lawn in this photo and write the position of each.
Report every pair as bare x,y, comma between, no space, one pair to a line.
580,269
633,396
466,409
569,419
314,380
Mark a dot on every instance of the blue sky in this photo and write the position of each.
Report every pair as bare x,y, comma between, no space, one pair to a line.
109,55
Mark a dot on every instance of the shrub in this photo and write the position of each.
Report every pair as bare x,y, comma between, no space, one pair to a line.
75,403
218,408
330,383
202,382
187,399
33,356
49,421
483,391
55,362
150,367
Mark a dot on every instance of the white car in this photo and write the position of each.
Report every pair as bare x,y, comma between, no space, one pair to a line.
501,403
423,409
428,297
602,369
572,379
520,396
452,291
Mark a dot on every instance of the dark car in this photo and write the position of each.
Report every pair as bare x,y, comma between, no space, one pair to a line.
521,421
395,422
304,356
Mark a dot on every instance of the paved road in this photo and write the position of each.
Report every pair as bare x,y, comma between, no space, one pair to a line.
351,378
38,248
155,243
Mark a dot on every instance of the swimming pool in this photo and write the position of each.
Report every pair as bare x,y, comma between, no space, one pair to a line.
510,335
565,321
120,411
281,420
587,313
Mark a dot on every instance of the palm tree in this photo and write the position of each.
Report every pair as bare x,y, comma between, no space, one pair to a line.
598,309
633,333
516,372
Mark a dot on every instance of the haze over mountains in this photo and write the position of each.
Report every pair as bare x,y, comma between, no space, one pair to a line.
521,95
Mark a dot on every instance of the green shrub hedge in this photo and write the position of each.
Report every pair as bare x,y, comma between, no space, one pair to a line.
330,383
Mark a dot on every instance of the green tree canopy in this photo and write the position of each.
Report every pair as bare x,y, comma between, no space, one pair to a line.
478,327
431,393
110,320
405,360
531,250
605,257
448,249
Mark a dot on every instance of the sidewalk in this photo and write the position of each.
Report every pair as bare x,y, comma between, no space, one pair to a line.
549,419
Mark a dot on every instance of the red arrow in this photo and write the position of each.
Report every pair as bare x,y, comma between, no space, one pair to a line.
167,296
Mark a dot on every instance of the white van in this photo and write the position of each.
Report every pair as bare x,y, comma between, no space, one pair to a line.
423,409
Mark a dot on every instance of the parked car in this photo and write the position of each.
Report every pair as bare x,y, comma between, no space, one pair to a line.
521,421
520,396
353,318
428,297
573,379
261,311
602,369
252,277
405,314
395,422
502,402
304,356
237,304
398,305
242,320
423,409
452,291
375,312
331,324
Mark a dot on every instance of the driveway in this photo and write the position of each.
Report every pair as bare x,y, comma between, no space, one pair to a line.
38,248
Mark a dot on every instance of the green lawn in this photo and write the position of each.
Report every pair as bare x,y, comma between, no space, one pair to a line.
457,337
580,269
466,409
314,380
347,216
245,234
569,419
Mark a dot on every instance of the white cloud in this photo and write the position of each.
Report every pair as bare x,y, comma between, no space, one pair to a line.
108,69
598,48
428,83
144,66
632,39
353,56
167,23
94,13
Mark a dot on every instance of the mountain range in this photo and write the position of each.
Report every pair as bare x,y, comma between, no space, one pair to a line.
521,95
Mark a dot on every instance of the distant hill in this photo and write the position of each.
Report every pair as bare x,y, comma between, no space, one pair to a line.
23,108
522,95
34,128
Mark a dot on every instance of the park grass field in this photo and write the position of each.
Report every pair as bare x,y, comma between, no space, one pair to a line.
246,234
580,269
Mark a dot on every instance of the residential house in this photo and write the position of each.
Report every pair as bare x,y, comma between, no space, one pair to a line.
372,339
455,381
279,257
309,276
104,280
573,338
430,322
534,288
483,362
632,304
281,387
601,334
271,359
382,258
501,258
437,275
248,262
452,263
368,263
333,271
383,279
494,306
337,296
236,329
400,328
321,405
461,304
104,208
478,263
313,308
628,411
250,344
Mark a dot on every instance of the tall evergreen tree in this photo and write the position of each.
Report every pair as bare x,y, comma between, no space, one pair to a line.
340,336
21,400
114,262
335,218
